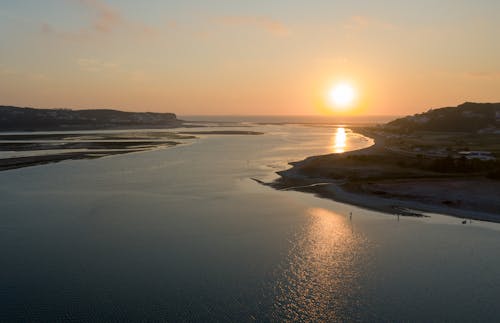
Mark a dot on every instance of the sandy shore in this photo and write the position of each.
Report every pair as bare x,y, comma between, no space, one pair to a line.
372,178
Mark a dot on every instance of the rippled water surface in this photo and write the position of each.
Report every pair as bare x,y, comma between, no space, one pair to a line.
184,234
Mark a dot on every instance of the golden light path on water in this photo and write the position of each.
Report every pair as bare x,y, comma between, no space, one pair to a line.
340,140
319,281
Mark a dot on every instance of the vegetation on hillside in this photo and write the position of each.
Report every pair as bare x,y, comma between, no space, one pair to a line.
468,117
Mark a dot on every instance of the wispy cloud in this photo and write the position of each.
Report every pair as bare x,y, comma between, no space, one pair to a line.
95,65
106,17
105,20
7,72
359,23
269,25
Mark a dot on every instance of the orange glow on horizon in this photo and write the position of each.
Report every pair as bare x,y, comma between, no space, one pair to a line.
136,57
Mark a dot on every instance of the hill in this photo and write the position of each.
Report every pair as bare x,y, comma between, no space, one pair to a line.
467,117
30,119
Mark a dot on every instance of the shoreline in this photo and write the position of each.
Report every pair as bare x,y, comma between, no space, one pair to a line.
364,179
61,146
28,161
26,149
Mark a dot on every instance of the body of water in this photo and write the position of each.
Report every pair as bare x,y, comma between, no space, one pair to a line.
185,234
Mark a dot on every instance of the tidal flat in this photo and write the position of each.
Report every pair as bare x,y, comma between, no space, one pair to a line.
23,149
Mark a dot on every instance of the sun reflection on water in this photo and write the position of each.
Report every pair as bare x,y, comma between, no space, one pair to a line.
340,140
319,281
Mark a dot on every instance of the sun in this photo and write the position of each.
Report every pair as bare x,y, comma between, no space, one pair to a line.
342,96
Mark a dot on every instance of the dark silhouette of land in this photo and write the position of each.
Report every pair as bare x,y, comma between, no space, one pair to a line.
30,119
468,117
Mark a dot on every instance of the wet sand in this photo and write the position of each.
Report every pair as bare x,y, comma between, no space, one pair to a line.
26,161
27,149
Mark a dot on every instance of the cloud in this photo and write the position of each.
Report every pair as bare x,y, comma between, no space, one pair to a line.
95,65
105,20
25,75
269,25
359,23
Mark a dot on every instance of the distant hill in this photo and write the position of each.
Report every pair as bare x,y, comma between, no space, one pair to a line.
30,119
467,117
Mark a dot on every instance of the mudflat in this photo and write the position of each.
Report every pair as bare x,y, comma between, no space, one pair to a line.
30,149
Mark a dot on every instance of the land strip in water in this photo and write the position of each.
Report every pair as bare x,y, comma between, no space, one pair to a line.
389,178
30,149
19,150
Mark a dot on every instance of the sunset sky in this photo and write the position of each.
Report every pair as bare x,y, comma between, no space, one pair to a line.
248,57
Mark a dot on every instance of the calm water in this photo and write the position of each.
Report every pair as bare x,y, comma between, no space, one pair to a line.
184,234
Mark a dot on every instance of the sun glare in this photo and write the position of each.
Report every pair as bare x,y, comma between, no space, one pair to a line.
340,140
342,96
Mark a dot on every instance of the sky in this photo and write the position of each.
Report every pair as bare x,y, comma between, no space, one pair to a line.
257,57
